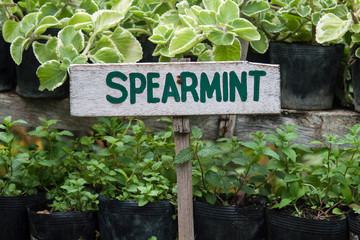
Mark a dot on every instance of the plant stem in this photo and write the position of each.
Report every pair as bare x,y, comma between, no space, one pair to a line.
88,46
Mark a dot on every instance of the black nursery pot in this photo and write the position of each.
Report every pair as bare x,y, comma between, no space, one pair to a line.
7,67
14,223
28,83
61,225
228,222
355,73
284,227
354,225
127,221
308,74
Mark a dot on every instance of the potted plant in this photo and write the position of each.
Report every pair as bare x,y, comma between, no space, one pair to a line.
20,182
229,187
306,202
136,181
290,30
209,31
344,28
7,66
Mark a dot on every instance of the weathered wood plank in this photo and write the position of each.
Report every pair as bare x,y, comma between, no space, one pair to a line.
312,123
174,89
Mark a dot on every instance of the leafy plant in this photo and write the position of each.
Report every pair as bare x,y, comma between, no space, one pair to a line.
209,31
225,177
289,21
135,166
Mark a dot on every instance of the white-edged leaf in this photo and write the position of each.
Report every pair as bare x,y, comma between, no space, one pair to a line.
105,55
228,53
245,29
254,7
17,48
127,45
330,27
28,23
105,19
70,36
79,20
207,20
262,45
183,41
51,76
45,51
46,22
11,30
212,4
227,11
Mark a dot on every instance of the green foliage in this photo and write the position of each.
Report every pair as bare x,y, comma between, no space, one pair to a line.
224,174
214,25
289,21
136,165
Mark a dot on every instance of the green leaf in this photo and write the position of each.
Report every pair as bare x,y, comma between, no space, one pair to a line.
90,6
206,56
80,20
284,202
127,45
330,27
122,6
228,53
50,75
213,178
346,192
269,152
162,34
357,53
210,198
303,10
17,48
106,55
184,155
254,7
209,150
47,51
207,20
355,28
290,153
196,132
68,52
11,30
212,4
227,11
183,41
261,45
46,22
219,37
290,178
248,190
68,36
27,24
245,29
105,19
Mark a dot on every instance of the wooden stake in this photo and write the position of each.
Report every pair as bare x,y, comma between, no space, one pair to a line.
184,180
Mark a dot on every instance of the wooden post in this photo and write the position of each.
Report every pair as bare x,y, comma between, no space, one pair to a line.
184,180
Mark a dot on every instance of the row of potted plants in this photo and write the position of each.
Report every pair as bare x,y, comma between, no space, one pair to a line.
89,31
120,183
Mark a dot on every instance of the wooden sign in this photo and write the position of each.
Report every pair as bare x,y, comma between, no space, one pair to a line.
174,89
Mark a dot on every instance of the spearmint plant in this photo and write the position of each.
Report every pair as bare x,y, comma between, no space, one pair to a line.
209,31
224,176
135,165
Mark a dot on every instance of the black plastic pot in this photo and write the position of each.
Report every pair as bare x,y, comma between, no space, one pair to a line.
308,74
230,223
14,224
61,225
7,67
355,74
127,221
284,227
28,83
354,225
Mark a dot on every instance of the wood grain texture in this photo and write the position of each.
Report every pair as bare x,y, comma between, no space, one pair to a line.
184,180
89,91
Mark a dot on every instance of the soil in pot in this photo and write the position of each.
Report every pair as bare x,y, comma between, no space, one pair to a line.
281,226
14,223
7,67
28,83
308,74
60,225
212,222
125,220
